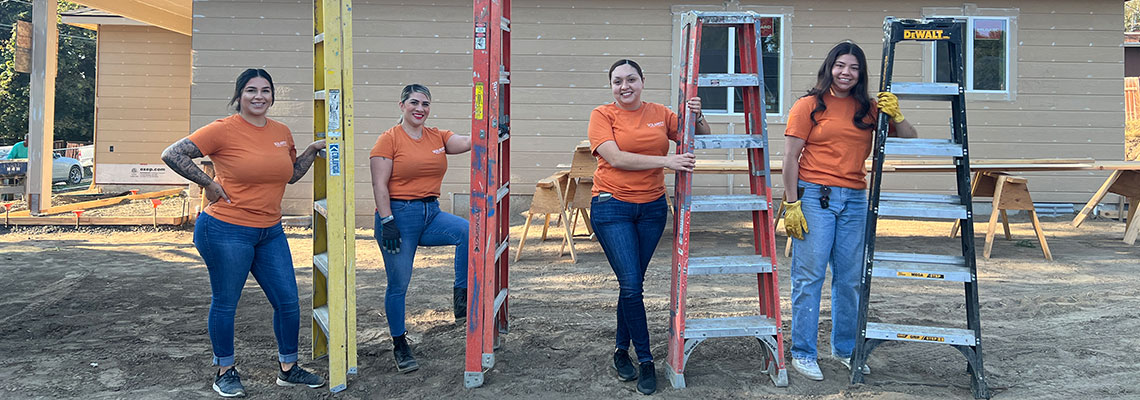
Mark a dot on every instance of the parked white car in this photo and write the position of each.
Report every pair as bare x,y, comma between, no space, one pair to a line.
66,169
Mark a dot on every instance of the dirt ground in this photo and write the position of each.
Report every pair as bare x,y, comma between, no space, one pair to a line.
121,313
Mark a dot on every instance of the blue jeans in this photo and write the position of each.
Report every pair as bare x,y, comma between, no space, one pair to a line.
629,233
233,252
420,224
835,236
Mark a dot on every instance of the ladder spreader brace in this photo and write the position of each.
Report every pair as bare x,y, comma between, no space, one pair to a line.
685,334
334,219
927,267
487,271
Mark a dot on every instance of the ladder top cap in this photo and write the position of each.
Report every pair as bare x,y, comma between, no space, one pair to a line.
920,21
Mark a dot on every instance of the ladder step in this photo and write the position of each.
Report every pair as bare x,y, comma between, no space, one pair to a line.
318,38
746,264
728,80
922,147
322,207
728,141
504,77
921,206
505,24
499,299
925,334
319,95
321,317
725,18
321,261
925,90
728,202
501,249
502,192
921,266
729,327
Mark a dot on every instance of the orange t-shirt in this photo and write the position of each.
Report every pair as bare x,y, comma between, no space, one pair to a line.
835,149
253,164
647,131
418,166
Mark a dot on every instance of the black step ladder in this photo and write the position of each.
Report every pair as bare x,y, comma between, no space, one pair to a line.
925,267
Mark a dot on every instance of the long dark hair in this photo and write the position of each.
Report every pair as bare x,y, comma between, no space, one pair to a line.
859,91
244,78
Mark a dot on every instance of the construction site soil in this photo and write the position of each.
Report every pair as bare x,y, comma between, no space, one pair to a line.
110,313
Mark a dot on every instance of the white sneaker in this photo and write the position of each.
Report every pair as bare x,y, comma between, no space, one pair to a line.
847,363
809,368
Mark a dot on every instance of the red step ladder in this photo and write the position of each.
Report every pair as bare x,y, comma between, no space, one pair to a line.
490,186
685,334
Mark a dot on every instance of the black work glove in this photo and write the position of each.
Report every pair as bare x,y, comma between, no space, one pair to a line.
390,238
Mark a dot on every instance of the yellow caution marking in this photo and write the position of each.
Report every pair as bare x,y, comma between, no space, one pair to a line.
921,337
924,34
479,100
920,275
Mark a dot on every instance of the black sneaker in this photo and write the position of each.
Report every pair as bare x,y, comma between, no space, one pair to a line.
404,361
228,384
625,370
647,381
298,376
459,302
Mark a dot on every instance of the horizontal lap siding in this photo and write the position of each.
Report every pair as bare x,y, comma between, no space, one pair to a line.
1067,103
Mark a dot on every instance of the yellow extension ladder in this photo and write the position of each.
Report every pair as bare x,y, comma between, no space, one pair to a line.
334,233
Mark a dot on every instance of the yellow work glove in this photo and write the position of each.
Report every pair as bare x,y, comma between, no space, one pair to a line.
889,104
794,222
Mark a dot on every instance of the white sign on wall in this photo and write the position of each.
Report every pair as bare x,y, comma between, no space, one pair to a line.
137,174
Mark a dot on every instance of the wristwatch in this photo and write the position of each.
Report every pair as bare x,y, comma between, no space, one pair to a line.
385,220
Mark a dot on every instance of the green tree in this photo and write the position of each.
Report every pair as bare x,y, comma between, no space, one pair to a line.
1132,16
74,84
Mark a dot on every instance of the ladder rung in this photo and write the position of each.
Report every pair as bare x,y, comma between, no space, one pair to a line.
506,188
921,266
922,147
729,327
505,24
322,207
728,141
499,299
746,264
322,154
728,202
321,317
925,334
921,209
925,90
504,77
501,249
319,135
321,261
504,137
319,95
318,38
921,198
725,18
728,80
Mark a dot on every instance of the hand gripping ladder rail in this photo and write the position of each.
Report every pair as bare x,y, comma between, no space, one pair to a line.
490,185
334,233
926,267
685,334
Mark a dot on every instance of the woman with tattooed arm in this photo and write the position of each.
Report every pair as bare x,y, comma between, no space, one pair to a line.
240,233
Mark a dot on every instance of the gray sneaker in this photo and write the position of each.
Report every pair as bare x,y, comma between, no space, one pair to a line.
808,367
228,384
298,376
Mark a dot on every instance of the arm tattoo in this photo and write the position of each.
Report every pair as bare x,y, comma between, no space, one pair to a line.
179,157
301,166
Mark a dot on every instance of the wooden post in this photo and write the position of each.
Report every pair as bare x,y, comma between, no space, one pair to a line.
41,107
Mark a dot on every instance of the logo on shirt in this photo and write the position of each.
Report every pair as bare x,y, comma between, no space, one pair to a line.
440,150
656,124
282,143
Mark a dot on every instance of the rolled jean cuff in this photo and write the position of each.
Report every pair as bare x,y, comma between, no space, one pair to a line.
224,361
287,358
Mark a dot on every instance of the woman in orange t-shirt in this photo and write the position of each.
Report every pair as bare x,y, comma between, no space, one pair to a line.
240,233
828,138
408,163
631,138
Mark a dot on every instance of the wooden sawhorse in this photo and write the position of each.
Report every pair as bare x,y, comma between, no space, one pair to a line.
1009,193
1125,183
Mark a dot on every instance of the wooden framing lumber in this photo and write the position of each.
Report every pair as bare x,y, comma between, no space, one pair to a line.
87,205
69,220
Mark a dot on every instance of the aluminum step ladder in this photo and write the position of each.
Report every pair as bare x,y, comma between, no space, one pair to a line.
487,271
685,334
334,217
924,267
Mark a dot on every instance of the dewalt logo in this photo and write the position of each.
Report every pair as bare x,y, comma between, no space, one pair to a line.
924,34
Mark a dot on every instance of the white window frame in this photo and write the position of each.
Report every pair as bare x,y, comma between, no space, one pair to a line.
785,15
970,12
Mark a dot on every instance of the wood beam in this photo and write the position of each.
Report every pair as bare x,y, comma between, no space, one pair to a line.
41,107
164,15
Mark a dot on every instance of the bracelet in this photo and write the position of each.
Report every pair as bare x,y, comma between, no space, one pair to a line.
701,119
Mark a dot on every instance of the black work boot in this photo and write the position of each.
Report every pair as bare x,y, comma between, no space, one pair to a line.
647,381
459,302
624,367
404,361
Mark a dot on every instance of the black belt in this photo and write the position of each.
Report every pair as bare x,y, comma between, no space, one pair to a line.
428,199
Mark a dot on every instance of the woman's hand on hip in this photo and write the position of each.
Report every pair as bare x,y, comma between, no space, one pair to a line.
215,192
681,162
